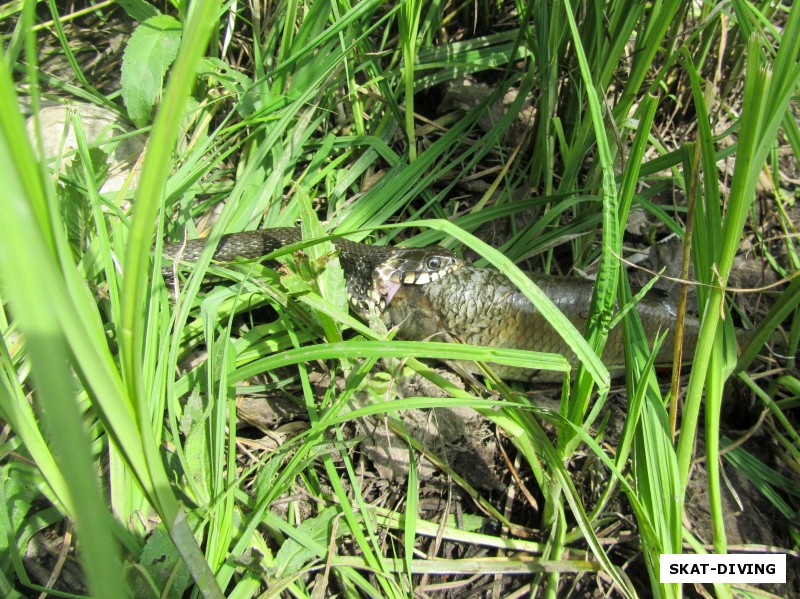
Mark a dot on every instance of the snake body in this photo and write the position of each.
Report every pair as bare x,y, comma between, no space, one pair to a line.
430,293
373,273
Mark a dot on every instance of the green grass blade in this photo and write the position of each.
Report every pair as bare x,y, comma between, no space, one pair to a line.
32,282
605,290
760,121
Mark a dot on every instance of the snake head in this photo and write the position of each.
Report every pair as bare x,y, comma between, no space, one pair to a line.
412,266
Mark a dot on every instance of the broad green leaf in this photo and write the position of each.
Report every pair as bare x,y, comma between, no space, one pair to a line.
19,494
311,542
141,10
235,83
150,52
164,566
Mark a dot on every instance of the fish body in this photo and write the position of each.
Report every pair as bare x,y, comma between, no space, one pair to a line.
481,306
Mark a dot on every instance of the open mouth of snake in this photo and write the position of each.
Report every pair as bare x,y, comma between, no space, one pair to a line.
386,289
411,267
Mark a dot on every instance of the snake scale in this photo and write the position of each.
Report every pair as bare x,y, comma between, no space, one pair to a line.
431,293
373,273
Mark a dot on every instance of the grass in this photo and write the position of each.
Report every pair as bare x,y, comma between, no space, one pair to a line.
120,401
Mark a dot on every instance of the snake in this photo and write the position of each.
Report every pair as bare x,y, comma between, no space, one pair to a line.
373,273
430,293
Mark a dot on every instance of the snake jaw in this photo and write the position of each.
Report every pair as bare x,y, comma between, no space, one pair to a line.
405,267
410,267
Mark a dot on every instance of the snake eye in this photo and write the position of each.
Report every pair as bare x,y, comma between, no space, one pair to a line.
433,263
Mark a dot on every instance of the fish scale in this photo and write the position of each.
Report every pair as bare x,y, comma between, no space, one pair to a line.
481,306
